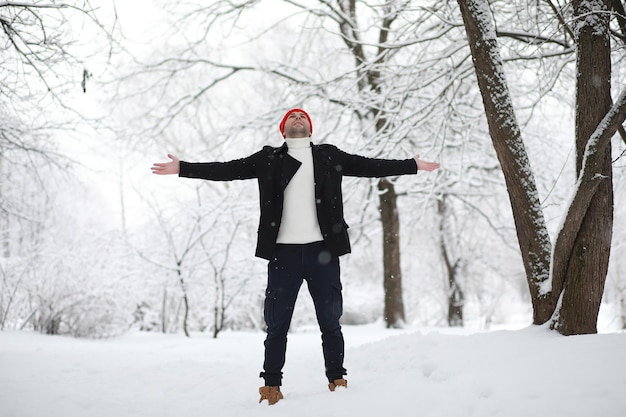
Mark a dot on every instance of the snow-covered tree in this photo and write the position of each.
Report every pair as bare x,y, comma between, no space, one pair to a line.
566,282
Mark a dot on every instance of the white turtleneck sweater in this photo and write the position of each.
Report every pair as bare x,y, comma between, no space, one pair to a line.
299,223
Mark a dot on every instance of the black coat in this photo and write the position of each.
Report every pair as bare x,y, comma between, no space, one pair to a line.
274,168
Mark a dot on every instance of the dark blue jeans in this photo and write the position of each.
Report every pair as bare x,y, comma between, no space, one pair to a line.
290,265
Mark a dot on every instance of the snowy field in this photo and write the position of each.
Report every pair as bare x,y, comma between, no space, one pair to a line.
410,372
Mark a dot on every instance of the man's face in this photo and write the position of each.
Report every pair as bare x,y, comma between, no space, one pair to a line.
297,126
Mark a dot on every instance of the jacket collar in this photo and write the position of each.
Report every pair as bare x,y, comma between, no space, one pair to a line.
283,148
280,149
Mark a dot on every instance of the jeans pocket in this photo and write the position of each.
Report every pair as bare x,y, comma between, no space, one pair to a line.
337,304
268,310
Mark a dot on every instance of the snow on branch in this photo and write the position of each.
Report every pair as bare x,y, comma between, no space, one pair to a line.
532,39
594,15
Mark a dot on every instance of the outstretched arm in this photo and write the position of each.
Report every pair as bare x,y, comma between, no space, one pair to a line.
167,168
361,166
425,165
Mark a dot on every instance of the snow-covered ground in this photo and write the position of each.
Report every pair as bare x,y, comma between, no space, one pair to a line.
410,372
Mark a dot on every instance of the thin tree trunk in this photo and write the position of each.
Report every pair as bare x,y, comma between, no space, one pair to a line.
183,288
4,215
394,306
622,309
164,314
456,297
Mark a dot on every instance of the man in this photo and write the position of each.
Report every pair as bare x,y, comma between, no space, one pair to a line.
301,233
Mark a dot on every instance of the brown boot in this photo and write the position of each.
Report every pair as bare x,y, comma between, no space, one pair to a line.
271,394
338,383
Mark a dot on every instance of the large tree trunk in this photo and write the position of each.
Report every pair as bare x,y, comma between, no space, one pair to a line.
507,141
394,306
589,258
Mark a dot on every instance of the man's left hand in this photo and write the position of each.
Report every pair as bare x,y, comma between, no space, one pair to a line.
425,165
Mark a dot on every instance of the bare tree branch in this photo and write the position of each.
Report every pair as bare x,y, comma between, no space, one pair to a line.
558,13
533,39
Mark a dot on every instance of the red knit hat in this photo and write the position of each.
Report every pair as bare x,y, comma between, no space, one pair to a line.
282,123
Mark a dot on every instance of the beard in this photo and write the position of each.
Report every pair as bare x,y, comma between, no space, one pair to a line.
297,132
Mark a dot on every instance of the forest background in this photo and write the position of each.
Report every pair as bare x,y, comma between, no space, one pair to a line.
91,93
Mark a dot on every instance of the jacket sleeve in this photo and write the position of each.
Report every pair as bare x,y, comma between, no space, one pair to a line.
237,169
360,166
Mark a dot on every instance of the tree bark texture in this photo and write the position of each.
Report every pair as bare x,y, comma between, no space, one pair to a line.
588,261
532,234
394,305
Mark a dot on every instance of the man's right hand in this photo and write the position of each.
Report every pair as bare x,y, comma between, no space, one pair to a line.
167,168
